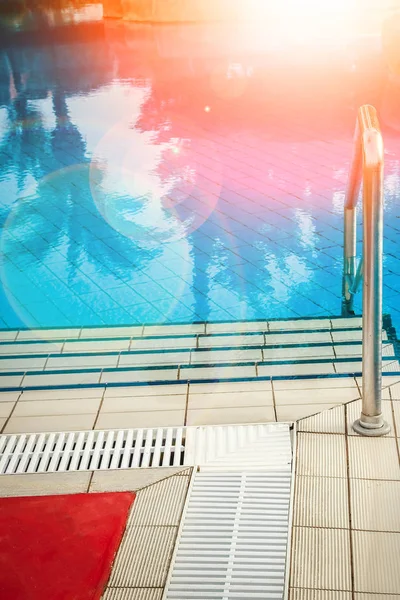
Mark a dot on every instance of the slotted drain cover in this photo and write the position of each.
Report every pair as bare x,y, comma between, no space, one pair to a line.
216,446
92,450
234,536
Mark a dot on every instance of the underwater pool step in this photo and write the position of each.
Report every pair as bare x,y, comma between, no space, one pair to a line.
15,380
184,329
183,357
255,339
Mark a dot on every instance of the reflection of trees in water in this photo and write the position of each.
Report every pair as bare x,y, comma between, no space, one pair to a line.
267,107
51,161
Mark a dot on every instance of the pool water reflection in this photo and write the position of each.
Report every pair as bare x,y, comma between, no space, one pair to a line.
181,174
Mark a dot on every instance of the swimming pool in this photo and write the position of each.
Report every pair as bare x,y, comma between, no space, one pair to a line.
151,175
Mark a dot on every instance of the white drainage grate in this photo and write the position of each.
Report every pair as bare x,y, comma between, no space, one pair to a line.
91,450
234,535
228,447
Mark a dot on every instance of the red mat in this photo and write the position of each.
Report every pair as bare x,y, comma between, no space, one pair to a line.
60,547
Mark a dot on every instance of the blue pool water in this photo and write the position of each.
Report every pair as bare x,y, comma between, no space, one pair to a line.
157,176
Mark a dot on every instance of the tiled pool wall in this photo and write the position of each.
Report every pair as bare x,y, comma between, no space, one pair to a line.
150,175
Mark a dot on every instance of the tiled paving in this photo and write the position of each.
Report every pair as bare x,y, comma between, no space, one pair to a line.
346,522
234,212
156,406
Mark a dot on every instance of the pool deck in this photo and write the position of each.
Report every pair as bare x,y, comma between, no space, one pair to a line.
346,514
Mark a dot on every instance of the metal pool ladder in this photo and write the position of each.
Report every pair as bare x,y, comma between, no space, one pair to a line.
367,168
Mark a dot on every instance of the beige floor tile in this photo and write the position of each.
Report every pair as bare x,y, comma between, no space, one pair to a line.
22,364
57,407
315,383
225,400
311,337
67,378
2,423
327,421
48,334
6,409
159,343
321,558
375,505
7,381
145,403
104,332
173,389
7,336
131,479
298,353
184,329
299,411
299,324
218,341
395,391
347,351
230,386
327,395
296,369
134,359
229,372
9,396
125,420
143,557
50,423
62,394
321,502
321,455
89,361
22,348
396,414
131,593
44,483
222,416
353,412
373,458
96,346
303,594
351,366
145,375
376,596
224,356
376,562
237,327
346,322
110,332
160,504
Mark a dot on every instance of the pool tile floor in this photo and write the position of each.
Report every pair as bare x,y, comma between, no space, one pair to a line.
165,212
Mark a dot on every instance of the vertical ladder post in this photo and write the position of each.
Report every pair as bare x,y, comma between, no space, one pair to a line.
368,167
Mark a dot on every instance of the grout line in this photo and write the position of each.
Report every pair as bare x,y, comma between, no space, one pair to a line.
349,504
11,413
394,425
273,399
118,360
187,404
295,460
100,407
46,361
90,483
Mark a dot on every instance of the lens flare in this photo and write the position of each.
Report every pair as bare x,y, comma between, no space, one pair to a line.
154,192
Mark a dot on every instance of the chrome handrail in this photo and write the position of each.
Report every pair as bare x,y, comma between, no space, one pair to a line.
367,168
